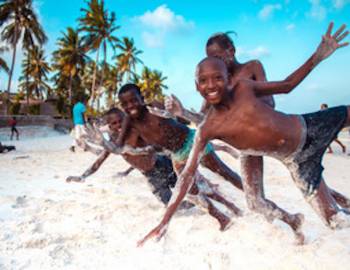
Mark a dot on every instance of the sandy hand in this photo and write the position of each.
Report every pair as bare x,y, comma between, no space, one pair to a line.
157,232
93,135
174,105
159,112
330,43
75,179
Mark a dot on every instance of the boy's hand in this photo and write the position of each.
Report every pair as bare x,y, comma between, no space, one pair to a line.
93,135
157,232
174,106
330,42
75,179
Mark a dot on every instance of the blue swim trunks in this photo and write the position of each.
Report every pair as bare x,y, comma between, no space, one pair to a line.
183,153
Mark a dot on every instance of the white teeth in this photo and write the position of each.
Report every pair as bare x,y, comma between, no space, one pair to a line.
133,112
212,94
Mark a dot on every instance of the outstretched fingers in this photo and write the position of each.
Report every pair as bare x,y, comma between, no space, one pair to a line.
330,28
339,31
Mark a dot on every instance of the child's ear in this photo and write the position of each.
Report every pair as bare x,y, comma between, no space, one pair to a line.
230,82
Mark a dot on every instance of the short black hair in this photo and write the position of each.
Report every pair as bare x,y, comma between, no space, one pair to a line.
222,39
114,111
129,87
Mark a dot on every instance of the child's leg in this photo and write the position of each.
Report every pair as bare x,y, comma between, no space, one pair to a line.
209,190
340,198
254,191
325,205
214,212
219,198
341,145
212,162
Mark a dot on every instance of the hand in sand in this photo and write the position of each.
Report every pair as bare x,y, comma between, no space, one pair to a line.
174,106
330,43
77,179
157,232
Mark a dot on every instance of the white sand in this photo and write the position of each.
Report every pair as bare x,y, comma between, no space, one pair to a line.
46,223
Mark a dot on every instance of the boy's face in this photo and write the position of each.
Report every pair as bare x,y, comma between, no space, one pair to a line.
115,121
214,50
212,80
132,103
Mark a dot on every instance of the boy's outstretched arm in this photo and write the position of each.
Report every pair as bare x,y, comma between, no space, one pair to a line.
329,44
92,169
174,106
185,182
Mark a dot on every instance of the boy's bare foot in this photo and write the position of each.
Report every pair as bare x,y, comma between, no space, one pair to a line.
296,226
72,149
343,148
225,223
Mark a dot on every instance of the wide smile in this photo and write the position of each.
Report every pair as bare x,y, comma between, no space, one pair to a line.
213,94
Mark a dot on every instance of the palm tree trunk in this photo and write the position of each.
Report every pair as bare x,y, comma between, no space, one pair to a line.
27,87
102,74
70,94
11,72
93,94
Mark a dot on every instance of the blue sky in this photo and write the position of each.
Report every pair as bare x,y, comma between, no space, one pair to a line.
172,36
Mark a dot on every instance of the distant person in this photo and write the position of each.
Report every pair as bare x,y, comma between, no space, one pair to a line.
324,106
6,148
79,119
13,124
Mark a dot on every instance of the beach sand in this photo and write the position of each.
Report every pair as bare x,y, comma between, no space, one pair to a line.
46,223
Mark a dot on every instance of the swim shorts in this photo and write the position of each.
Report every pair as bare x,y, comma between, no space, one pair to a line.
162,178
183,153
320,129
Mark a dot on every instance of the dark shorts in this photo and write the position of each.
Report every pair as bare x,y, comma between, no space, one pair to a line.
322,128
162,178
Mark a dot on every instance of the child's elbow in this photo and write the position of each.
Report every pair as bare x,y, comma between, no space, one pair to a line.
287,87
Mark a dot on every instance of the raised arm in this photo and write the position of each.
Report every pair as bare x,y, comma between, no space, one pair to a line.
328,45
174,106
95,136
92,169
184,183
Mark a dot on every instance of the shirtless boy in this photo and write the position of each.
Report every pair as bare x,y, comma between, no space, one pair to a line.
242,120
220,45
156,168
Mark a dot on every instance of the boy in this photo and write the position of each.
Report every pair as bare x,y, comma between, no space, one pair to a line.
13,124
156,168
240,119
79,119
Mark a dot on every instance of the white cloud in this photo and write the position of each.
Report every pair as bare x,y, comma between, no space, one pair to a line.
165,19
290,27
152,40
339,4
257,52
318,11
268,10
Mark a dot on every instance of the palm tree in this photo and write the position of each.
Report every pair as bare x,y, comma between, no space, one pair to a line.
3,64
98,26
35,69
112,81
69,59
127,59
152,84
21,24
